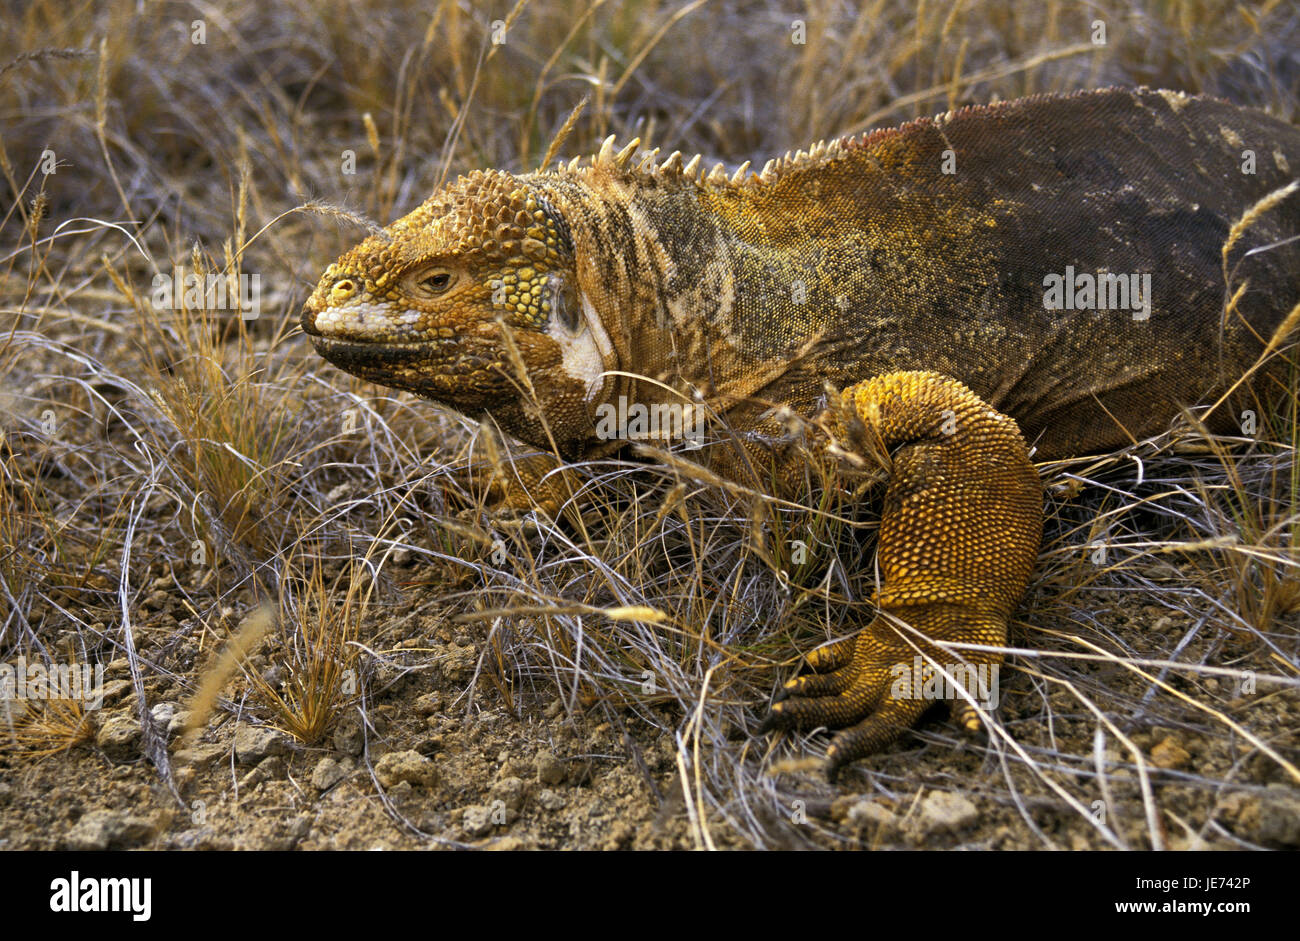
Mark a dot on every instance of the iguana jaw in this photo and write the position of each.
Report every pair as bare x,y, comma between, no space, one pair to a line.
566,368
420,366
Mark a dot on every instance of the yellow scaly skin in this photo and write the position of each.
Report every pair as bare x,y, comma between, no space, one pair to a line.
960,471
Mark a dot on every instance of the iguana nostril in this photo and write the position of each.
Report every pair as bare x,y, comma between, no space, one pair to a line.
343,289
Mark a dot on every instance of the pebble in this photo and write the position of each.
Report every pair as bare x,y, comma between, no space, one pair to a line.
327,773
409,766
108,829
1279,817
476,820
200,755
348,737
870,815
511,792
112,691
551,800
268,770
1170,755
428,704
253,743
550,770
119,736
943,811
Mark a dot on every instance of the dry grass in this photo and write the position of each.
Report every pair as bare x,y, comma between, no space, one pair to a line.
191,451
46,728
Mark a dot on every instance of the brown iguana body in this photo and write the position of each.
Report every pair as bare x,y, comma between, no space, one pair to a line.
906,267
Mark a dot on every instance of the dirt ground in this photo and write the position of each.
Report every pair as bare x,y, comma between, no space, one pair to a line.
430,773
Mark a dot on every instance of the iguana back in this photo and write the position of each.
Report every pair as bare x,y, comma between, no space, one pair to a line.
927,247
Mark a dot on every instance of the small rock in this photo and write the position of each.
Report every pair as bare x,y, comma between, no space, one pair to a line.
270,769
253,743
349,737
158,600
110,692
871,816
508,843
429,746
200,755
327,773
517,768
476,820
108,829
550,770
459,664
408,766
297,830
943,811
1189,843
841,806
510,791
1279,818
119,737
428,704
178,721
1169,754
551,800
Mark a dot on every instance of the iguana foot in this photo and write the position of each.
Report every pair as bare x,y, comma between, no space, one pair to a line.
959,534
875,686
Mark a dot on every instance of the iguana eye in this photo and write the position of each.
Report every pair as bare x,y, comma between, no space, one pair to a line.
436,280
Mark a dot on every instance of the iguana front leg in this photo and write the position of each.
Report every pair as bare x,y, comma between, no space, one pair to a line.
959,534
519,485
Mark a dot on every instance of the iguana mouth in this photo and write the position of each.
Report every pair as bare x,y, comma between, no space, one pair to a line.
457,376
324,343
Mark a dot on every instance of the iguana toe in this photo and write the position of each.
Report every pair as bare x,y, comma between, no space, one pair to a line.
888,684
891,720
831,656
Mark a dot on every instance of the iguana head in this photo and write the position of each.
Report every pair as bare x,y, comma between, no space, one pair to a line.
450,300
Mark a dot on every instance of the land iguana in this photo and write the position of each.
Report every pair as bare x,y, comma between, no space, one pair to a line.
1037,277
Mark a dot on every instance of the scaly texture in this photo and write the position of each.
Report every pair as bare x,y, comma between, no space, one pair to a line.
958,472
911,267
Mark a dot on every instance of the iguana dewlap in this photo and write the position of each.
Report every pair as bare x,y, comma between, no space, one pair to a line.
1044,271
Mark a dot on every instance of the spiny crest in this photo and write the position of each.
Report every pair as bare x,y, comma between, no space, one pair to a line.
676,167
818,154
